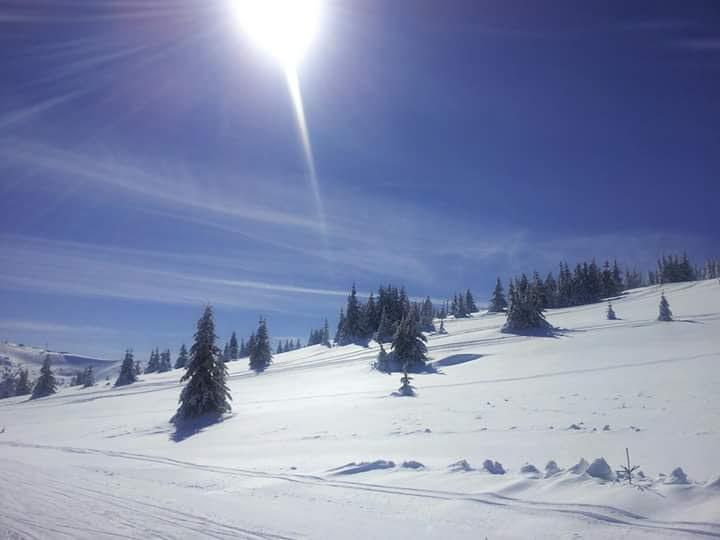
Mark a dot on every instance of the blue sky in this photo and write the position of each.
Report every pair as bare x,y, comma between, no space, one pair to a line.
150,161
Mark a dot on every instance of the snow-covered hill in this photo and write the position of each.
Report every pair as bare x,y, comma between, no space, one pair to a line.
318,448
64,364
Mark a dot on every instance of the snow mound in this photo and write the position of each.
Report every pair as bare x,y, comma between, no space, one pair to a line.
713,483
580,467
460,466
551,469
412,464
530,470
493,467
600,469
677,477
363,466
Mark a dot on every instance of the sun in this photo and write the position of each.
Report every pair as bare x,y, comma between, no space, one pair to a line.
283,28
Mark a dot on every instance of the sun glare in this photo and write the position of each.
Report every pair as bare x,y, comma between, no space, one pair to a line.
283,28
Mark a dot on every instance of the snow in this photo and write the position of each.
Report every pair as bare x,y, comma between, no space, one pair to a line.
104,462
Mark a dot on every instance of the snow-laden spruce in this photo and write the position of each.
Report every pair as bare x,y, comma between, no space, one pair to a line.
665,313
260,353
46,384
611,313
206,391
128,370
498,303
525,311
182,358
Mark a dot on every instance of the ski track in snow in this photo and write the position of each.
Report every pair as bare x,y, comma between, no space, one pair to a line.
607,514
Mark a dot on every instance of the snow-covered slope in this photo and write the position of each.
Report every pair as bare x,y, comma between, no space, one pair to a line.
318,448
64,364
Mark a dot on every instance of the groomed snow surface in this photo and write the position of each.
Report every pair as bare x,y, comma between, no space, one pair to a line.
514,437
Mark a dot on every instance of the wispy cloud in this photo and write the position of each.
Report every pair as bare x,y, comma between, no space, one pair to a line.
53,328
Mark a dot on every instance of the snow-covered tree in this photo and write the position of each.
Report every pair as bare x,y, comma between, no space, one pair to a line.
233,348
127,375
46,383
279,349
261,354
165,361
382,362
665,313
408,344
385,330
138,368
442,330
182,358
325,335
89,377
498,303
611,312
525,310
206,391
470,305
406,389
153,364
426,316
22,385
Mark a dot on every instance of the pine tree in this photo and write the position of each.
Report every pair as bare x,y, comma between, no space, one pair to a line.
385,330
426,316
611,313
165,361
89,378
353,331
340,332
382,363
442,330
279,349
206,391
226,352
233,347
127,374
138,368
22,385
325,338
470,305
46,383
525,310
665,313
408,344
154,362
498,303
182,358
261,355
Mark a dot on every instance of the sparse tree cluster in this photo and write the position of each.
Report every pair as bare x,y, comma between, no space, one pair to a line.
526,306
287,346
461,306
408,351
320,336
14,382
84,378
673,269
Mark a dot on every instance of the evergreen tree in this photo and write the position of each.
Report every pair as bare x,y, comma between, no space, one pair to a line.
127,375
206,391
406,389
611,312
470,305
243,349
498,303
665,313
165,361
426,316
442,330
226,352
233,347
22,384
279,349
408,344
182,358
353,331
261,355
325,338
525,310
382,363
138,368
89,378
340,332
154,362
385,330
46,383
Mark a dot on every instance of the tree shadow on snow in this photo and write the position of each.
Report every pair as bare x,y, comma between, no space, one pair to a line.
547,332
455,359
187,428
